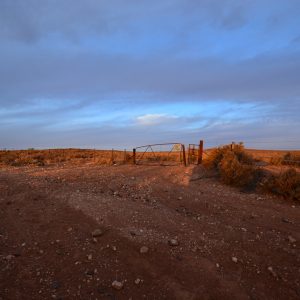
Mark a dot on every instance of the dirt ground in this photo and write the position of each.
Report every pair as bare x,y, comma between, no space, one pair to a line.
231,245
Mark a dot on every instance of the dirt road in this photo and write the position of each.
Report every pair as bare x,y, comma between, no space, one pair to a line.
202,240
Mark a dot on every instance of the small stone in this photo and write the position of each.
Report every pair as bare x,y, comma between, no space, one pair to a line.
70,229
90,272
137,281
114,248
90,257
117,285
9,257
179,198
173,242
292,239
144,249
270,269
56,284
217,265
97,232
234,259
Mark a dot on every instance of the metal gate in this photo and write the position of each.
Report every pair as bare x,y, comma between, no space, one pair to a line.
195,153
166,154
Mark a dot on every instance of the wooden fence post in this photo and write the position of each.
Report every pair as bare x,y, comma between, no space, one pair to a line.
112,156
125,158
200,152
183,154
232,146
134,156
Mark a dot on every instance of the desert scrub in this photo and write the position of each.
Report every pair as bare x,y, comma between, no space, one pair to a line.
291,159
217,155
235,167
286,184
233,172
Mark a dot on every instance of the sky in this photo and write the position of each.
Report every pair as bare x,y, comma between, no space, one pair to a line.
119,74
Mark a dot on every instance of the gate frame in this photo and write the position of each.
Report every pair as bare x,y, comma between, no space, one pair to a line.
162,144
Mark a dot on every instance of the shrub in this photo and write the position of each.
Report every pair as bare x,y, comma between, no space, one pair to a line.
286,184
233,172
234,166
216,155
276,161
291,159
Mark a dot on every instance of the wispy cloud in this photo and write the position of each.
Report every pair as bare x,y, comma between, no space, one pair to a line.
73,70
155,119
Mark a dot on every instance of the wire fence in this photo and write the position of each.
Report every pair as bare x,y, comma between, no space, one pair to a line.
155,154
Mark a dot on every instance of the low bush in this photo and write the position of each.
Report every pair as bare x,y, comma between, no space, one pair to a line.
237,168
286,184
216,155
233,172
234,166
291,159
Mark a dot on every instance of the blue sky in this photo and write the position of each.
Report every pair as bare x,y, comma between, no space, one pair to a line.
104,74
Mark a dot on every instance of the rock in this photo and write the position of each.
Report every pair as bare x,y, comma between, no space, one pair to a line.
117,285
144,249
270,269
90,257
132,233
234,259
292,239
179,198
137,281
9,257
89,272
173,242
97,232
56,284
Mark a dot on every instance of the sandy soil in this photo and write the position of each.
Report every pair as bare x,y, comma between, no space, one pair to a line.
231,245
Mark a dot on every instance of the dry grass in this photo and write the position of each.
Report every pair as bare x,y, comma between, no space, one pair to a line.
276,157
62,156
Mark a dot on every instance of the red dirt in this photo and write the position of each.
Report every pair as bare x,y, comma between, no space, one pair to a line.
47,216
